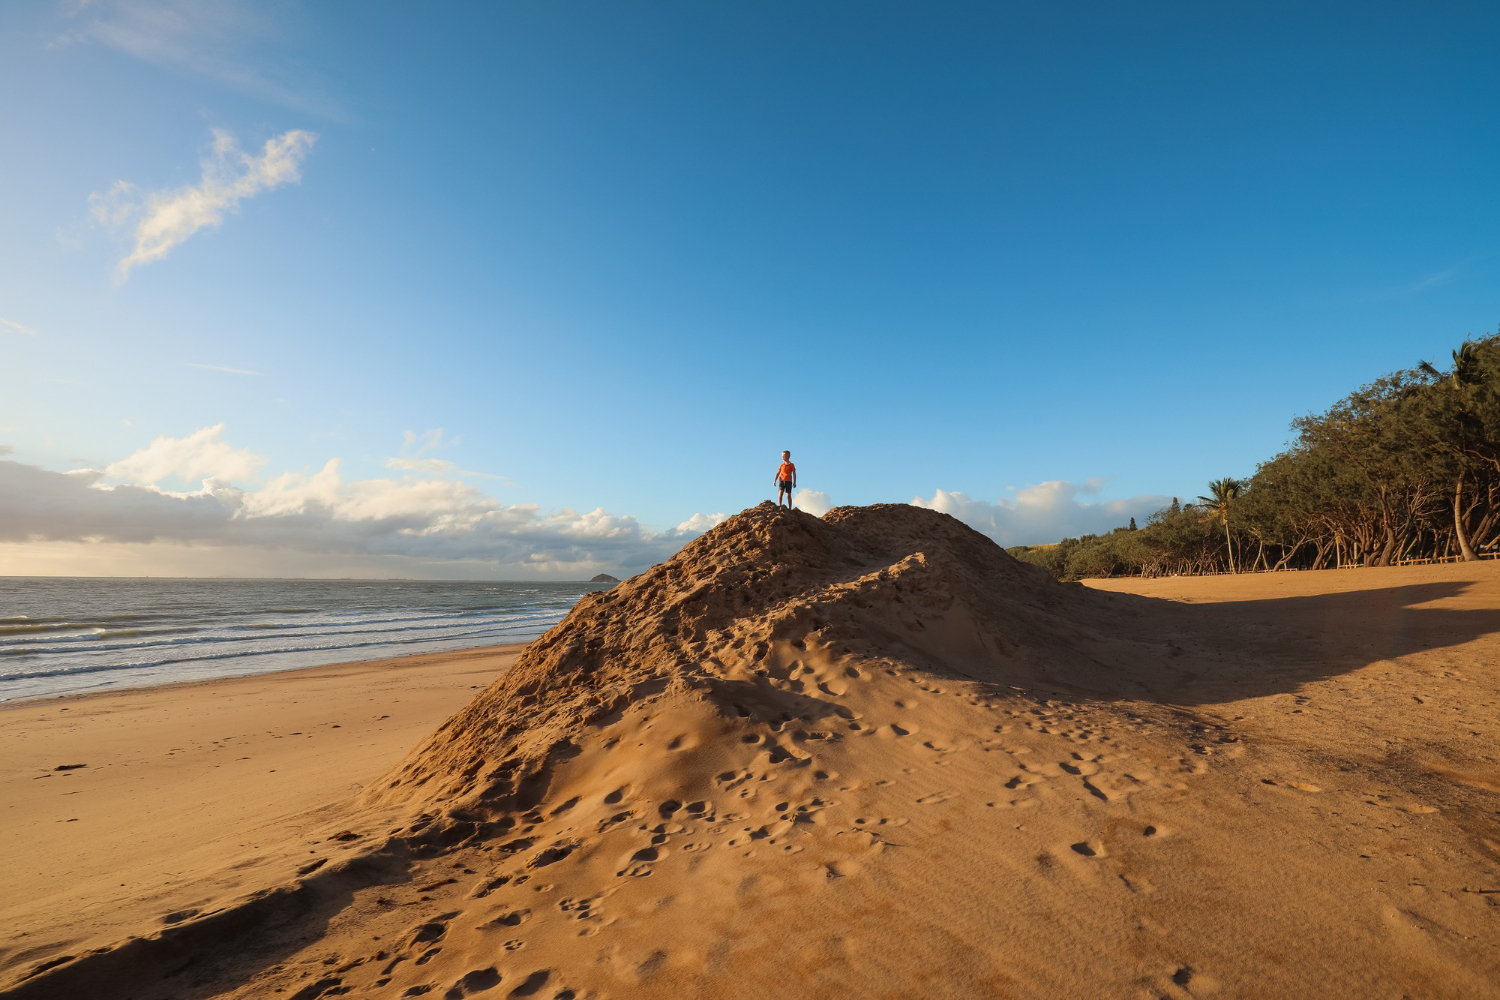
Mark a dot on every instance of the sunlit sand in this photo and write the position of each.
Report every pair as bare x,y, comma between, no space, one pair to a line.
868,755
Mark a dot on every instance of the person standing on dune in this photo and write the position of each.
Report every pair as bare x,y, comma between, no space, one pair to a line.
786,480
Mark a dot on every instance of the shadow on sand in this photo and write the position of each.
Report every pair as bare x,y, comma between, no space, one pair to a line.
1190,654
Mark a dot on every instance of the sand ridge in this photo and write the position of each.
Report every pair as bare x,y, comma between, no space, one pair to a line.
872,755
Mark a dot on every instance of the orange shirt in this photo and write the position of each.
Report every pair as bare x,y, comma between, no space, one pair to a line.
787,472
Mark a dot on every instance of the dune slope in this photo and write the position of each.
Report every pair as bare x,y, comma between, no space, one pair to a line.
870,754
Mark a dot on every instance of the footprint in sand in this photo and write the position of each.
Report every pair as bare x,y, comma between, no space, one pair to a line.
1013,804
1194,981
474,982
1083,768
1301,786
1098,791
1088,848
551,855
1411,808
638,865
533,984
936,798
513,918
433,930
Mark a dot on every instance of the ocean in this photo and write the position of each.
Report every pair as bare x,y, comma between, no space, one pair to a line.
70,635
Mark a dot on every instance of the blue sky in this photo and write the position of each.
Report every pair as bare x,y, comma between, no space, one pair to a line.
1061,261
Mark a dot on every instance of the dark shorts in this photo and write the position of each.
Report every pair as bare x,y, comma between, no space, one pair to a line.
786,484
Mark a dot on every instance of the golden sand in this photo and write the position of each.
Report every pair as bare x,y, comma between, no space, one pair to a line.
863,756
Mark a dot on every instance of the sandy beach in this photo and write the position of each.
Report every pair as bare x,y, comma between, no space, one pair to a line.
190,779
868,755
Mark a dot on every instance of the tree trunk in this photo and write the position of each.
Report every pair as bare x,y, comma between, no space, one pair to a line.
1229,545
1458,523
1389,551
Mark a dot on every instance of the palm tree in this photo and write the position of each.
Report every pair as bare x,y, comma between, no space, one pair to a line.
1222,495
1467,371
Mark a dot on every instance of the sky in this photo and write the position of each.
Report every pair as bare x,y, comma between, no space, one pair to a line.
516,290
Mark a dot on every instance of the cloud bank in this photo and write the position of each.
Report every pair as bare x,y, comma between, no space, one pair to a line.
162,220
1046,512
412,524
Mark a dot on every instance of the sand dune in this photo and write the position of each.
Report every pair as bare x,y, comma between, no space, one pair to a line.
871,755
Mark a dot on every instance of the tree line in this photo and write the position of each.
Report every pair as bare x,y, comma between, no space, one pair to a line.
1407,467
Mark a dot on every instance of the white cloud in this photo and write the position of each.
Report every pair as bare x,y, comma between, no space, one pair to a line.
699,523
812,501
220,368
11,326
162,220
1046,512
409,524
201,455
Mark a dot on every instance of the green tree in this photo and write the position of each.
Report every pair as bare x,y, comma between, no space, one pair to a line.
1406,467
1456,428
1222,495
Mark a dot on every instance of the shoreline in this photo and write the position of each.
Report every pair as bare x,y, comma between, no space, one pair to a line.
196,682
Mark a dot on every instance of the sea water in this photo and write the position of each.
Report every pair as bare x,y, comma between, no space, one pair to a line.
69,635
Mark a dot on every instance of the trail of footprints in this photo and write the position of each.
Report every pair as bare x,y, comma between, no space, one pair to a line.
516,898
501,890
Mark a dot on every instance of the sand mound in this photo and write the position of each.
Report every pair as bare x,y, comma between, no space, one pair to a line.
749,619
867,754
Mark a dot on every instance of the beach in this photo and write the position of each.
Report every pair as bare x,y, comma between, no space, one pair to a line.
1279,785
190,780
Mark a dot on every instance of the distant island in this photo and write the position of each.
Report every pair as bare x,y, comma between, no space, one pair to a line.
604,578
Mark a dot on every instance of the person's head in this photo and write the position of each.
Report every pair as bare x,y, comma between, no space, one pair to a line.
786,455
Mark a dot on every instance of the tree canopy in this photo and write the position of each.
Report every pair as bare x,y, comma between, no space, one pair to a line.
1407,467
